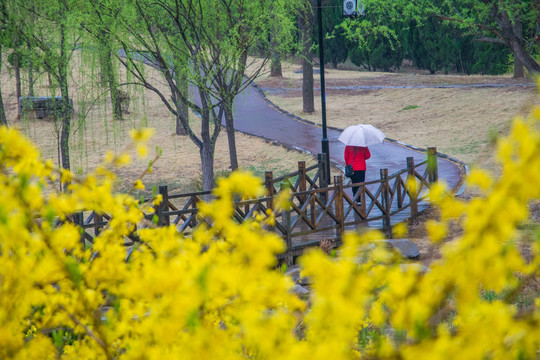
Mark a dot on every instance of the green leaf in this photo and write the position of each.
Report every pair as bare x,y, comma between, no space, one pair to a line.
73,271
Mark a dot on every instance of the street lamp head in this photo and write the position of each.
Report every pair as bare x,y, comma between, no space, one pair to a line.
349,7
353,8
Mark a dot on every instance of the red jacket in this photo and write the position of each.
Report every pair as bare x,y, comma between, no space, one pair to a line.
357,156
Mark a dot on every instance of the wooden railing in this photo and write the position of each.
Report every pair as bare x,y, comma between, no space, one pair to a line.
317,210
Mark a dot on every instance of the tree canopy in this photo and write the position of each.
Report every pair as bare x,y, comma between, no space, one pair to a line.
205,44
511,23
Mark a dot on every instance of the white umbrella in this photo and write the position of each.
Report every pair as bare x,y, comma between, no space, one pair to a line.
361,135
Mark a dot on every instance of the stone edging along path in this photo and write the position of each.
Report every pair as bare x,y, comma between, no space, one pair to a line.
460,169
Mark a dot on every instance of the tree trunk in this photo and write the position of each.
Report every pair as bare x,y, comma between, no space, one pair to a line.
275,67
113,86
517,27
305,27
227,109
308,99
208,142
30,55
516,45
65,113
18,91
207,164
30,73
275,57
109,77
229,124
521,54
3,120
182,108
518,68
115,100
65,118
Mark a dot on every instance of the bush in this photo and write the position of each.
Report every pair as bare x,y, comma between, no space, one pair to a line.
378,52
217,294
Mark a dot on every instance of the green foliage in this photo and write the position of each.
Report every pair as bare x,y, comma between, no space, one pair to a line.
491,296
410,107
374,41
493,135
45,34
430,45
438,46
334,40
203,43
489,59
62,337
439,35
377,52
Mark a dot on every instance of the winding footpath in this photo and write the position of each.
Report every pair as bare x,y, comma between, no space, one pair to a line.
255,115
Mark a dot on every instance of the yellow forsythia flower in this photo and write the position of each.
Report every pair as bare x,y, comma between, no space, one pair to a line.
138,185
141,135
137,291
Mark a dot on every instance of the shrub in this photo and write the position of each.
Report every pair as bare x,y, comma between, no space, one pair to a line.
217,294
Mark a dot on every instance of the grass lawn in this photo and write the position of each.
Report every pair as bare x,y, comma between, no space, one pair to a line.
461,122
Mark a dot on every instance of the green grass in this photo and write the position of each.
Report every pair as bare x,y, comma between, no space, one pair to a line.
410,107
260,168
472,147
493,135
523,299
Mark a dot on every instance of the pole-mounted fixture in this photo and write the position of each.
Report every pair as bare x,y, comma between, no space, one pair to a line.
324,143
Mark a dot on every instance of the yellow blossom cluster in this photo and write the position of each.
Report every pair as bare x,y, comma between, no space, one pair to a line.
218,295
440,312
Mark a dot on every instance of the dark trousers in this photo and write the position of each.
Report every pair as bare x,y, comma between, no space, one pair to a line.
359,176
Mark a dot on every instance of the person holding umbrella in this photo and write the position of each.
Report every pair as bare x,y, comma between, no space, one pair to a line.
357,156
357,138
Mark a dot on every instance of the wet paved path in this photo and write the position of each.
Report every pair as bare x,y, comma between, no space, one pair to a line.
255,116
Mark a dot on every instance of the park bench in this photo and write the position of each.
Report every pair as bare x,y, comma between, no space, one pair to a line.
43,106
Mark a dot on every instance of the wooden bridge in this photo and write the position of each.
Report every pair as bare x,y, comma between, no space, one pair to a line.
318,210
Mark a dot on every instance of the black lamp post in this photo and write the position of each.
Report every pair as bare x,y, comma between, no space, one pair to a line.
324,143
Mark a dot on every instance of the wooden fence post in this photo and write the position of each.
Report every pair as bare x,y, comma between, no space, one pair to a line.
327,168
414,197
163,220
269,184
362,196
286,213
323,183
433,175
302,180
340,214
98,219
398,194
78,219
194,221
385,199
